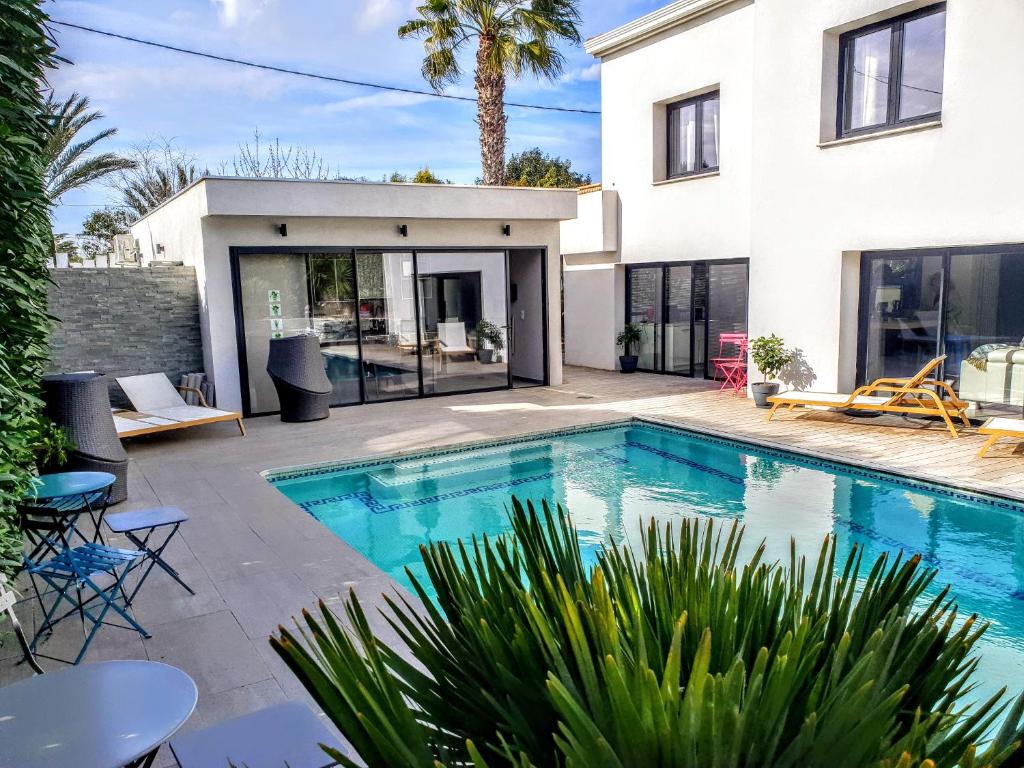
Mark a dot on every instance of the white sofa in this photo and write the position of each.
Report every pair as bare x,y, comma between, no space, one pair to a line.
1002,381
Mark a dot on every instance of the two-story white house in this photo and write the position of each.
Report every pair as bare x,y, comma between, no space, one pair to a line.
843,173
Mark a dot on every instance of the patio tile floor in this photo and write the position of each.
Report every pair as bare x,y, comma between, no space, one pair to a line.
255,559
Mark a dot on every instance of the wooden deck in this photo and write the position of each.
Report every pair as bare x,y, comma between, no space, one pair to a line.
917,448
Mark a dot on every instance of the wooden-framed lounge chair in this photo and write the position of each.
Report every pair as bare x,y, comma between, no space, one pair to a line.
998,428
911,396
451,340
159,407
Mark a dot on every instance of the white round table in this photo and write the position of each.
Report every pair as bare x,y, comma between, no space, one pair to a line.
104,715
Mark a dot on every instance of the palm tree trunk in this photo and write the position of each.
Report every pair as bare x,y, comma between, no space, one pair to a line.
490,91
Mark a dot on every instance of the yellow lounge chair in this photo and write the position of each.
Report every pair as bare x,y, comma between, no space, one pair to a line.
906,396
997,428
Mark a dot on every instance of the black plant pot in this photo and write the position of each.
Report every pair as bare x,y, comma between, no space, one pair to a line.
485,355
628,363
762,391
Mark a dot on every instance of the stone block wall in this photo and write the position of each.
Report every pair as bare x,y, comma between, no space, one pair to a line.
126,321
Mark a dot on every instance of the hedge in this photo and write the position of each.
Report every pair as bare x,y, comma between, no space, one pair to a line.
26,52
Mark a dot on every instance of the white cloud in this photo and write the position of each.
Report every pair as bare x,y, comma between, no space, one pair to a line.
233,12
117,83
586,74
378,13
382,100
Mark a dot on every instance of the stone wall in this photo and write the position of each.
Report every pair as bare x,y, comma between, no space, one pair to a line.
126,321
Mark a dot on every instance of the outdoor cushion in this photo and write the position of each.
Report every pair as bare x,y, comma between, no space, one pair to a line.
830,398
150,392
286,734
186,413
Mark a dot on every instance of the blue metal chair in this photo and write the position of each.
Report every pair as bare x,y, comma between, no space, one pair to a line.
71,574
138,527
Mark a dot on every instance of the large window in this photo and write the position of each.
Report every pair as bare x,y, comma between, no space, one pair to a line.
693,135
682,309
891,72
960,302
392,324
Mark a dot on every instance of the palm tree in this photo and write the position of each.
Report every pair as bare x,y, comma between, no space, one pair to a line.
69,165
158,184
514,37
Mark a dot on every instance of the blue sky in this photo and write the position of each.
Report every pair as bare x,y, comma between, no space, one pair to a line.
208,108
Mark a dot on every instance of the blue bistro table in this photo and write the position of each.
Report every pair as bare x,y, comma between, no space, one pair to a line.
104,715
66,495
69,573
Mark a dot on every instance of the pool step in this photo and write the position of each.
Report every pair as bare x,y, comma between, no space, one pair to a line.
391,479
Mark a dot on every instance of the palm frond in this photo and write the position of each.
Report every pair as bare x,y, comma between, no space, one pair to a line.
68,163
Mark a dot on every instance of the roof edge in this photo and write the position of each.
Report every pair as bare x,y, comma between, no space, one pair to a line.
657,21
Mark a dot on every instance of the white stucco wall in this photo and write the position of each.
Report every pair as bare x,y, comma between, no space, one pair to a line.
191,233
799,205
958,184
593,314
689,218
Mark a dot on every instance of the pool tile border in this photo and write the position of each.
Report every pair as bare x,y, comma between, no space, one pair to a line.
804,458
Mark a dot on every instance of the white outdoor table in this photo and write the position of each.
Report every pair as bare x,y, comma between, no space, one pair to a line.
104,715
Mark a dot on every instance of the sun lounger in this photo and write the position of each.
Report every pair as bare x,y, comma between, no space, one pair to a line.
159,407
998,428
916,396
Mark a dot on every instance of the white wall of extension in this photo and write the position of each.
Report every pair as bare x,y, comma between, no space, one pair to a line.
796,202
189,229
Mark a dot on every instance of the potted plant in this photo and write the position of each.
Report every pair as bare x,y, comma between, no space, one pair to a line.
490,334
770,357
631,334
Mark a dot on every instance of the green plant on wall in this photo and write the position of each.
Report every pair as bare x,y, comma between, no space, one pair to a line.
679,653
26,51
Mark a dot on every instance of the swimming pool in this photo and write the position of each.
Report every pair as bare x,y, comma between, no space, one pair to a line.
613,477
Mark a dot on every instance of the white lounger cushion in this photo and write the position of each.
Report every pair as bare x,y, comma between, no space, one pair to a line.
831,398
453,337
188,413
150,392
1002,424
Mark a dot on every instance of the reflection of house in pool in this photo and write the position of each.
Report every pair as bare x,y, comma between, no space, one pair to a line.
398,282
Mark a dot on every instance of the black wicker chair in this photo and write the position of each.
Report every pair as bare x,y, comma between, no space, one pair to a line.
80,403
296,367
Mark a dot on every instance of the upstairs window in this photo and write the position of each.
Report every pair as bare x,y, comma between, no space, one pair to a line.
693,135
891,72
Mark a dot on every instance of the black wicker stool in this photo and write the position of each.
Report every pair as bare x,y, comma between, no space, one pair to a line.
296,367
80,403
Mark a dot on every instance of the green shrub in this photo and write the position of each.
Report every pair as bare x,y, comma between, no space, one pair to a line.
25,53
631,334
769,355
675,655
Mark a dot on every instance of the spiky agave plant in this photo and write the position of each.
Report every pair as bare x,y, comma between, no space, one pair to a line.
675,655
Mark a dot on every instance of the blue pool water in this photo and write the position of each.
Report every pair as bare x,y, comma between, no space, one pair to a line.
612,478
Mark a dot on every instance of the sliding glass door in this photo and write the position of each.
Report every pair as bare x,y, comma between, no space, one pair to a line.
387,326
961,302
391,324
644,308
682,308
463,321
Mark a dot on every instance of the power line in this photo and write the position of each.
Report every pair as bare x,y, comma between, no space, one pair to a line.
312,75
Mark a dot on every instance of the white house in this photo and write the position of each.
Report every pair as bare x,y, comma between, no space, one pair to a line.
400,282
844,173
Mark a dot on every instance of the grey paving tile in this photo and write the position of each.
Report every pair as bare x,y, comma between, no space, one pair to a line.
261,601
212,648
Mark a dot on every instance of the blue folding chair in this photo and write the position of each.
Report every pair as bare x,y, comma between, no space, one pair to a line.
71,576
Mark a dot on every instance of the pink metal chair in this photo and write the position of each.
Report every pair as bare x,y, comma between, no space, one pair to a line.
732,370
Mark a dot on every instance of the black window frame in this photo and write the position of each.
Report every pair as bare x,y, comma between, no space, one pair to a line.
896,50
676,106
